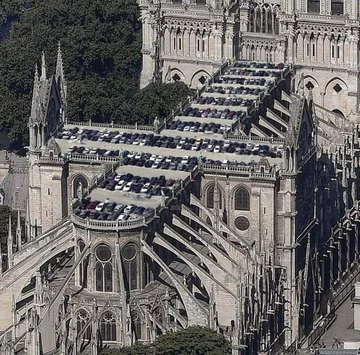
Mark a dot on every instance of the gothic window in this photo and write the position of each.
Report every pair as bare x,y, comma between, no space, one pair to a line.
82,321
314,6
210,202
108,327
337,7
129,254
103,269
242,199
136,318
179,44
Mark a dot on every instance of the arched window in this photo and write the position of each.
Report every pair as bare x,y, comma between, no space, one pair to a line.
314,6
108,327
136,318
242,199
103,267
82,322
210,197
129,255
337,7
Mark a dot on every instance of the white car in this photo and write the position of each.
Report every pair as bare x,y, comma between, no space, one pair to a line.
143,142
136,141
100,206
227,144
156,165
187,129
145,189
129,208
117,178
127,187
119,186
123,217
179,146
185,160
131,155
138,156
153,157
217,149
160,158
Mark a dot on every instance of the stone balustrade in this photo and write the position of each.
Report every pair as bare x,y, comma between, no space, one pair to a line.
112,225
240,170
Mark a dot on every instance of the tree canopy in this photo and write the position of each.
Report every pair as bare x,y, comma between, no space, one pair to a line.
194,340
101,45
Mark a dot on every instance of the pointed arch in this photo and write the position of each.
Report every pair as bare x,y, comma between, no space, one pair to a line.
108,326
82,320
242,199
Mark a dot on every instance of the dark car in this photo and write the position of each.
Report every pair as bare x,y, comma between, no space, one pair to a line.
110,207
139,211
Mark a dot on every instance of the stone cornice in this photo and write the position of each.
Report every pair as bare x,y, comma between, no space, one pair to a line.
191,60
349,71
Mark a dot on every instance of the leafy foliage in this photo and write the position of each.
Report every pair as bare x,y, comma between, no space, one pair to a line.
190,341
101,44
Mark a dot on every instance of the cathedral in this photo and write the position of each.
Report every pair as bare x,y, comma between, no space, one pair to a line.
253,231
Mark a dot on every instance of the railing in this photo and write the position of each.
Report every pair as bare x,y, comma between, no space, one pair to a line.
91,157
112,225
239,170
270,140
111,125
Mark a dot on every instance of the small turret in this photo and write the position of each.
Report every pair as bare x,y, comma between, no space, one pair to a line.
18,231
10,245
43,67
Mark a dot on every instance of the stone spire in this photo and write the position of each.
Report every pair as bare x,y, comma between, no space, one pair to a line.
60,80
35,97
43,67
18,231
10,245
27,222
59,73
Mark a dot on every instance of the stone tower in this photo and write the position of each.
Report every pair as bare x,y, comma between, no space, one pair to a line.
189,40
47,182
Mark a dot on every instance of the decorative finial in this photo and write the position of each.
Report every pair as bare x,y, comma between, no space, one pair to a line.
43,66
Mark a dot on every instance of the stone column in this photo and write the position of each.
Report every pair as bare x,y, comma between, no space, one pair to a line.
327,52
320,49
300,47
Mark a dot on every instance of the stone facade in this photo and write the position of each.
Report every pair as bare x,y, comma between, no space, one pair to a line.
190,40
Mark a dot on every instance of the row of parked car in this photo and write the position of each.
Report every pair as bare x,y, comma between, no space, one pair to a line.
264,65
154,186
223,101
213,113
189,126
109,211
252,72
241,90
241,81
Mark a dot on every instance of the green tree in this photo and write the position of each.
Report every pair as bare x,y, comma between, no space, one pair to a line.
101,44
194,340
